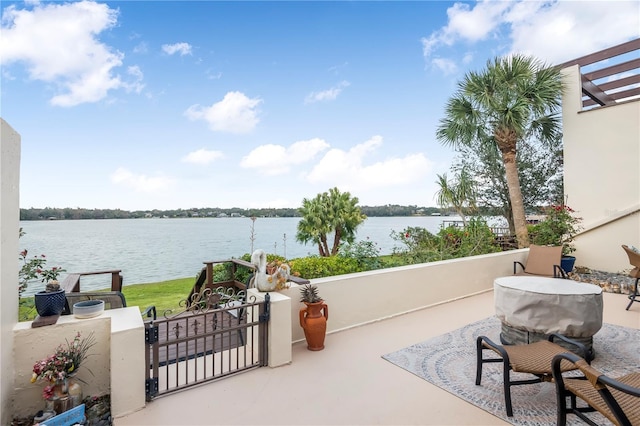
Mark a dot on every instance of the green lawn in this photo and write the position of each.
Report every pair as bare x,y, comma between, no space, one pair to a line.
163,295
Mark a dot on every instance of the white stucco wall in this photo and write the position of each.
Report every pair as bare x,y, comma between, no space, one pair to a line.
357,299
9,226
602,176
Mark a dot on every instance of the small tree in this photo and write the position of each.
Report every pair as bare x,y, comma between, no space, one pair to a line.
329,212
459,193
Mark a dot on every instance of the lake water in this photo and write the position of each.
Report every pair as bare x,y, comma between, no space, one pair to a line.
150,250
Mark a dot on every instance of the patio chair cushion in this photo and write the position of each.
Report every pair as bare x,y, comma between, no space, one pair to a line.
541,260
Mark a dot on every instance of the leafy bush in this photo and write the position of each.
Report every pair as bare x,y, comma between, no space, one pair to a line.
557,229
364,252
452,242
317,267
419,246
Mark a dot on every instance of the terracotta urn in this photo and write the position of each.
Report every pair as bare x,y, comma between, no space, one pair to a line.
313,320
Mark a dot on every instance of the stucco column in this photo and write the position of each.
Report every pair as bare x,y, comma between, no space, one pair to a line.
279,327
9,226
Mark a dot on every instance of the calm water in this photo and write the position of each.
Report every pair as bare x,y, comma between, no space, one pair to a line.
149,250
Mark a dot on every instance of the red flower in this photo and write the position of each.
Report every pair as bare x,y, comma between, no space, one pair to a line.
47,392
406,235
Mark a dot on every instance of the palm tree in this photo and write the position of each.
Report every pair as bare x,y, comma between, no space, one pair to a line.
515,97
327,212
459,194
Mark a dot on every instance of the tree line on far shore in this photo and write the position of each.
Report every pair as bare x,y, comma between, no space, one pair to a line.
67,213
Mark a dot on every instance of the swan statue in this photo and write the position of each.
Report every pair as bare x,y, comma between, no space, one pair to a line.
264,281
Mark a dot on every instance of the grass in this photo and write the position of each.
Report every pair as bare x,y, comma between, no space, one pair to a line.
164,295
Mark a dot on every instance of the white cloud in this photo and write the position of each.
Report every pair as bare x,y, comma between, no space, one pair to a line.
552,30
473,24
573,24
235,113
213,75
58,44
202,156
447,66
181,48
141,183
271,160
326,95
136,84
141,48
467,23
347,169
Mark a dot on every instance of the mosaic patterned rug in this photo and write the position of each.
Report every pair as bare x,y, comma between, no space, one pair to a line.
449,362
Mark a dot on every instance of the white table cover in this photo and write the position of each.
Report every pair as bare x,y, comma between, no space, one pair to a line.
549,305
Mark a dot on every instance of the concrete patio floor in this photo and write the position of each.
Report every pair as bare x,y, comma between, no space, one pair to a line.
348,383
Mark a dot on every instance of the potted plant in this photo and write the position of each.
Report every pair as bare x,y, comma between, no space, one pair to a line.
51,301
559,228
59,369
313,317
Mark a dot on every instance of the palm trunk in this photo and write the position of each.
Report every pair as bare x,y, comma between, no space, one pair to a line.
508,214
515,195
325,247
336,241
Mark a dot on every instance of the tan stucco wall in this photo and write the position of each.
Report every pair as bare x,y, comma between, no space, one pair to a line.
9,225
116,363
602,176
357,299
33,344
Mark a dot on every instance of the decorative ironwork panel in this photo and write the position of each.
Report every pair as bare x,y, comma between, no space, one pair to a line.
218,333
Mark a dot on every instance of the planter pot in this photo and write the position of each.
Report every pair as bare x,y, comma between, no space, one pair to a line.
50,303
65,395
88,308
313,320
567,263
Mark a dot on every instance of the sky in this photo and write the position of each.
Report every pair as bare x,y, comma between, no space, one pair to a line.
142,105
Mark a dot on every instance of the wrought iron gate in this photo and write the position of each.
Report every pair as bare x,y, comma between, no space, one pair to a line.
218,334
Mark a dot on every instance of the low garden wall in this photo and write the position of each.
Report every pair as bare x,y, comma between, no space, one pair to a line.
364,297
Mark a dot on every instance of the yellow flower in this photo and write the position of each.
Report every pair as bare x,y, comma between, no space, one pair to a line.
34,377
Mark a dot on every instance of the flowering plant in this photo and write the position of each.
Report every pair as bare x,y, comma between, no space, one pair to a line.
34,268
29,269
50,274
63,363
558,228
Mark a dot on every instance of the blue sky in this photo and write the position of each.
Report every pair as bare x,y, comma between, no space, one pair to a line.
158,104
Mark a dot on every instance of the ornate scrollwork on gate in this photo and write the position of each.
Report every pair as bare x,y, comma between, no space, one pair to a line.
208,299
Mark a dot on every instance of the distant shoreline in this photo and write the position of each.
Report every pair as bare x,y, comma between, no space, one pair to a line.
78,213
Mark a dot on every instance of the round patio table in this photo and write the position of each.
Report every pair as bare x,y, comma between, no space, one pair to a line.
531,308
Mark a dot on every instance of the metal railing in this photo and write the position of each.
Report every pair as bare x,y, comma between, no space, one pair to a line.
218,335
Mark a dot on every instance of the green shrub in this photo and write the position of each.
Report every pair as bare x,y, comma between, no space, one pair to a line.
317,267
366,253
421,246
